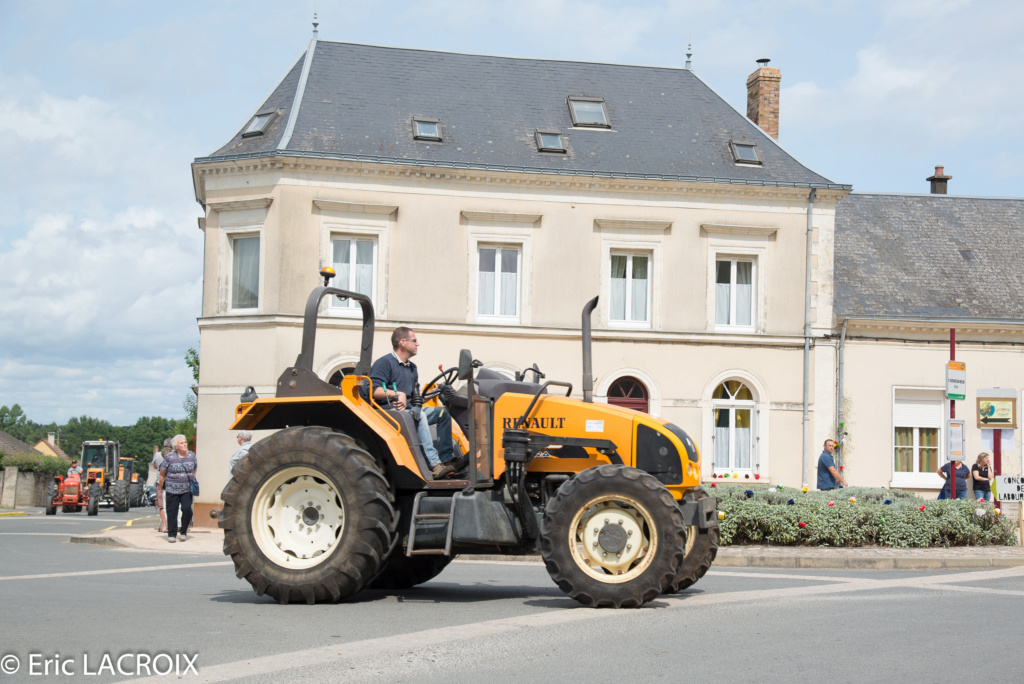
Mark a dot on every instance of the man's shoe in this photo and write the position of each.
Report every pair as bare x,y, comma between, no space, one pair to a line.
459,462
182,537
441,471
171,540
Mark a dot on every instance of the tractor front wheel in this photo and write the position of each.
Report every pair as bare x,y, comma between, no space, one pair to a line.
94,500
701,550
612,537
119,493
307,515
51,494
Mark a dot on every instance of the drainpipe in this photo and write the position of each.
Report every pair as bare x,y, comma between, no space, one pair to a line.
807,330
840,428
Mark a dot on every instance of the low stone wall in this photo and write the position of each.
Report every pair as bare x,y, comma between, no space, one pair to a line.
22,490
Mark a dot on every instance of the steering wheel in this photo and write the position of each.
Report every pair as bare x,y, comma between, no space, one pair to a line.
447,377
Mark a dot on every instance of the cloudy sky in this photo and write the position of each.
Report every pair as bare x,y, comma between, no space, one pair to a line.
103,105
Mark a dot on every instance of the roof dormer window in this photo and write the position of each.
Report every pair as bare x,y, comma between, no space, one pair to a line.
259,124
588,112
426,129
550,141
744,153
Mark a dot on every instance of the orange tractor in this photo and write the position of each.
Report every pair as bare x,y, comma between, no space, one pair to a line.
68,493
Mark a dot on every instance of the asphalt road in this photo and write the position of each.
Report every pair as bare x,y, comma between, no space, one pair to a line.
70,605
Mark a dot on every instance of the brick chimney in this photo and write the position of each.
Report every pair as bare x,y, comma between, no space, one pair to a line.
763,98
938,181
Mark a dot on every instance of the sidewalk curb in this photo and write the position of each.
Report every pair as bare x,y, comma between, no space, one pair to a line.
105,540
848,562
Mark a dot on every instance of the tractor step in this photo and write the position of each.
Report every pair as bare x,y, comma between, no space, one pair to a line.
417,517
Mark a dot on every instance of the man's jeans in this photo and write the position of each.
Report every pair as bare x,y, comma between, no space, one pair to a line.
439,416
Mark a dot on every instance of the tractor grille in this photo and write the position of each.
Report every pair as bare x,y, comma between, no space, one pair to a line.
71,490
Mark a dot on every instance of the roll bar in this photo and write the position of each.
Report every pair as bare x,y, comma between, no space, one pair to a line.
305,358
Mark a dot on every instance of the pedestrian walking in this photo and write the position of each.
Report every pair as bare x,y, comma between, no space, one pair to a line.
177,475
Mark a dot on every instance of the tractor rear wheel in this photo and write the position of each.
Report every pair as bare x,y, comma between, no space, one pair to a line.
612,537
51,494
119,493
404,572
94,500
701,550
308,515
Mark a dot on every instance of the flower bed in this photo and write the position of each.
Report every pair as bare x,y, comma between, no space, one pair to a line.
854,516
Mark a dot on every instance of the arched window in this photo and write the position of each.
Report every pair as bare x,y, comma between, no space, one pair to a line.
629,393
735,416
337,375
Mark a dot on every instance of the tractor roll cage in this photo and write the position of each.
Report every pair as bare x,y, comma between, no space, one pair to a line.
309,319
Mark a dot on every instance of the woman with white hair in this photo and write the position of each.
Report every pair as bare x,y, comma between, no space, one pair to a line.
244,438
177,473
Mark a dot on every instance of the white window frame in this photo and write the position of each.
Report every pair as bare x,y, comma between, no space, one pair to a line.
628,322
732,404
500,247
357,222
351,307
917,480
489,229
229,236
652,248
733,261
722,248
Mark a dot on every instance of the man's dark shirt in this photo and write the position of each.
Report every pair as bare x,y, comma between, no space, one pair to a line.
388,370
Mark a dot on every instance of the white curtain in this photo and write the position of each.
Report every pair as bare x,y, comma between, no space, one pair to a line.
744,292
617,308
639,299
245,289
509,281
723,293
741,433
485,291
722,422
364,267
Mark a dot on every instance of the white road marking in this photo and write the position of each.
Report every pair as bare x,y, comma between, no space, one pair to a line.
978,590
340,652
35,534
116,571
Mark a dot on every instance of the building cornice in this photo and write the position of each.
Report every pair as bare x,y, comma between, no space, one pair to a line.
305,163
241,205
354,208
273,321
882,327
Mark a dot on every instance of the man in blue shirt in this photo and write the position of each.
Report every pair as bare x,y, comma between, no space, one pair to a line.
396,385
827,473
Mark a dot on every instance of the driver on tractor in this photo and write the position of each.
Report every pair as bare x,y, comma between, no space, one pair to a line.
75,469
396,386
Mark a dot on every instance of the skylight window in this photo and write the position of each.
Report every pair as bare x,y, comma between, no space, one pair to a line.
550,141
588,112
259,125
744,153
969,256
426,129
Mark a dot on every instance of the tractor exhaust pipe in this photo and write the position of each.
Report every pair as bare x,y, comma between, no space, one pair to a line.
588,358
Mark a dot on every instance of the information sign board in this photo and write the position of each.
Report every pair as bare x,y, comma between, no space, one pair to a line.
954,439
956,380
999,413
1009,488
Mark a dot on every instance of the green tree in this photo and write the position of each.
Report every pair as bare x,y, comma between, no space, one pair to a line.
14,422
191,403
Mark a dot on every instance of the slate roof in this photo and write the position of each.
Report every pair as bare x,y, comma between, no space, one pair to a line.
11,446
898,256
358,103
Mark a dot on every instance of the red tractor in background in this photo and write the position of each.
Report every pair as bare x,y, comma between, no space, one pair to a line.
68,493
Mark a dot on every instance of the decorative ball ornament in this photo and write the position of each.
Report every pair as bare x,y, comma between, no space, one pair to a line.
831,503
735,474
746,476
922,507
714,484
805,490
749,493
853,499
887,502
997,512
802,524
780,487
721,515
790,502
757,476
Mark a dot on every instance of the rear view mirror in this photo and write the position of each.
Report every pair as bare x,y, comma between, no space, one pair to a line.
465,364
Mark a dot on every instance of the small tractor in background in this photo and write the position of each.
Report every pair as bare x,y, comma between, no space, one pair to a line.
110,477
67,492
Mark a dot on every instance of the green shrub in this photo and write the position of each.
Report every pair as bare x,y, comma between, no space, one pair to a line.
36,463
765,516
